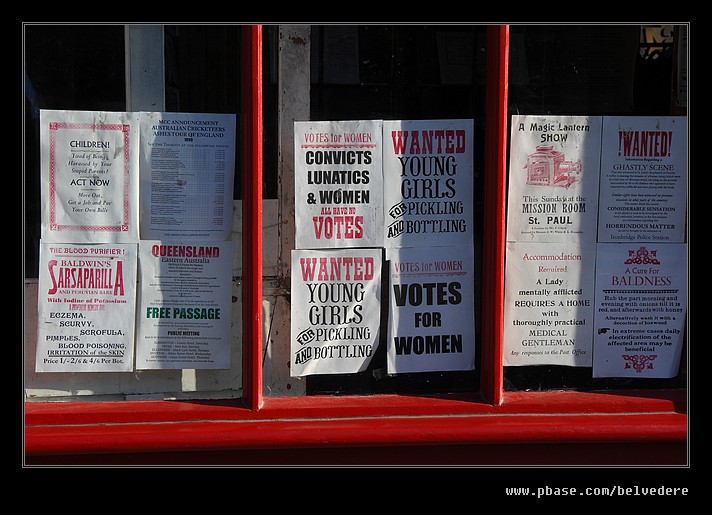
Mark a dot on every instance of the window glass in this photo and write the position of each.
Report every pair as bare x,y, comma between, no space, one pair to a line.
66,67
403,73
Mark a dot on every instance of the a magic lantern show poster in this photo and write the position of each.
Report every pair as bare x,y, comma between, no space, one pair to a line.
338,184
336,310
641,308
89,176
428,182
553,178
643,179
431,318
86,307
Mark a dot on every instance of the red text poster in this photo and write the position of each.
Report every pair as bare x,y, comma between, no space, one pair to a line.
338,184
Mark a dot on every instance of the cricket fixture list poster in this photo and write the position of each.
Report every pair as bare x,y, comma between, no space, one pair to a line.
336,310
641,306
554,172
428,182
431,319
89,176
86,306
184,306
643,179
338,184
187,176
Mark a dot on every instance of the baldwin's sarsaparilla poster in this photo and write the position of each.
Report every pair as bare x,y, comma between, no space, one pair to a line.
184,313
187,176
554,169
548,304
89,176
336,310
431,323
428,182
641,308
86,307
643,179
338,184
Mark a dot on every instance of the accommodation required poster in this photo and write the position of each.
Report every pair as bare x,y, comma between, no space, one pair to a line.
86,307
187,176
89,176
641,307
184,312
643,179
431,324
554,170
428,182
338,184
336,310
548,304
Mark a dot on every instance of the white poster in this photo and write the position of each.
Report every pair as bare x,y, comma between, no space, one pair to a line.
184,310
431,323
641,307
643,179
86,307
549,303
336,310
187,176
338,184
553,178
428,182
89,176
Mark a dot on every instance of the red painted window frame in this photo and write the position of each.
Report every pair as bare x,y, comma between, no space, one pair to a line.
253,423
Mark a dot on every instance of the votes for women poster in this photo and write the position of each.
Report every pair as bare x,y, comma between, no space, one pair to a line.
86,307
184,313
431,318
187,176
338,184
428,182
553,178
89,176
336,310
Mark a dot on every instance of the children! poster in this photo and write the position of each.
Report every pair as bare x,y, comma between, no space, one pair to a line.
86,307
336,310
553,178
431,317
338,184
428,182
184,315
89,176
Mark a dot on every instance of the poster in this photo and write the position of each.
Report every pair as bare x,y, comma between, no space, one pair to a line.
431,324
187,176
86,307
336,310
338,184
643,179
549,304
428,182
89,176
641,306
184,305
553,178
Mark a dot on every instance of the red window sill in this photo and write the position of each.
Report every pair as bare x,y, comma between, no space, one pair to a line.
85,428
